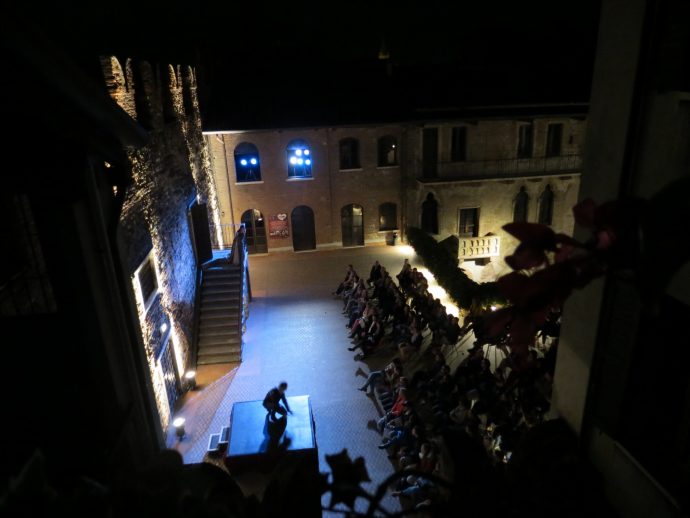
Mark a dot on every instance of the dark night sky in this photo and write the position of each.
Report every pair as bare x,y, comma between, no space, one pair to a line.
304,63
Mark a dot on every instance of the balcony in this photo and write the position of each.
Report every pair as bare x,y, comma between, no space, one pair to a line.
499,168
479,247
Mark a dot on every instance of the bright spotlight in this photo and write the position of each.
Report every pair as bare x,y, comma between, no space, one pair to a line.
306,152
298,152
253,161
243,162
307,161
300,161
293,160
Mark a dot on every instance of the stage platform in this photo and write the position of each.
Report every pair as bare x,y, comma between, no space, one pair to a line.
256,443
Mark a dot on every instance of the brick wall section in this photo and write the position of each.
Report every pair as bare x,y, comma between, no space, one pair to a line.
326,193
168,173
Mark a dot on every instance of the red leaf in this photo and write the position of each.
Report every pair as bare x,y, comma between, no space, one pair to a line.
605,239
584,213
514,286
495,323
567,240
522,331
533,234
563,253
525,257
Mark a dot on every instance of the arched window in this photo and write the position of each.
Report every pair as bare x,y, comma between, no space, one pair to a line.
546,206
388,151
388,216
349,153
299,159
521,205
247,166
430,215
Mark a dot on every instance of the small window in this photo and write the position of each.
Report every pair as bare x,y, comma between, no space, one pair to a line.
458,144
349,153
546,206
469,222
299,159
147,280
388,216
554,138
247,166
521,205
388,151
524,149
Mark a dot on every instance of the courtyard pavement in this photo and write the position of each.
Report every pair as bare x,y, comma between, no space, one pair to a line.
296,332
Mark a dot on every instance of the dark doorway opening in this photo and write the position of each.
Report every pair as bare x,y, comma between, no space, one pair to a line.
303,233
352,218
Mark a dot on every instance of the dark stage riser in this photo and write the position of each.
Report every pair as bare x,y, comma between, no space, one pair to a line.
256,443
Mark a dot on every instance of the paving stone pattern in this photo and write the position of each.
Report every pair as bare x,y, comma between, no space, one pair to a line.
296,332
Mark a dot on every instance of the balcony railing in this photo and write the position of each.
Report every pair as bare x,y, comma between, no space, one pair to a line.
499,168
479,247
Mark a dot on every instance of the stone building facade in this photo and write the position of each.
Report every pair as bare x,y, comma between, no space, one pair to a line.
368,181
159,250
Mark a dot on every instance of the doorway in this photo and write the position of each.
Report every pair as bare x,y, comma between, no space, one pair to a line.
255,226
303,234
352,219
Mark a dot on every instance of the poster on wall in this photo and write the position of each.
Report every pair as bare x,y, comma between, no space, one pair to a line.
278,225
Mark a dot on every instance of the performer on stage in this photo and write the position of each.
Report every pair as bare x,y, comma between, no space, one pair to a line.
273,399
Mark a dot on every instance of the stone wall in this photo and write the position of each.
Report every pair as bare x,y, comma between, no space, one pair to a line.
495,200
169,173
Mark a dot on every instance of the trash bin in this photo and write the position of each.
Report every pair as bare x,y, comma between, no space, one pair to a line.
390,238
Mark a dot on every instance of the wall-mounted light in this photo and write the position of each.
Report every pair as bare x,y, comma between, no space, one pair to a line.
178,424
164,327
190,379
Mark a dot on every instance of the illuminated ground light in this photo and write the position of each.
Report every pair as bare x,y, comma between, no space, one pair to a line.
178,424
190,378
438,292
405,251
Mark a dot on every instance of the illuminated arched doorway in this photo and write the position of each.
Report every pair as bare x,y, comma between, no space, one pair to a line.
256,231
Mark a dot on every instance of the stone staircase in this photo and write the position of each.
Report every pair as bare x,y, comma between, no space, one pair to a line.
220,331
